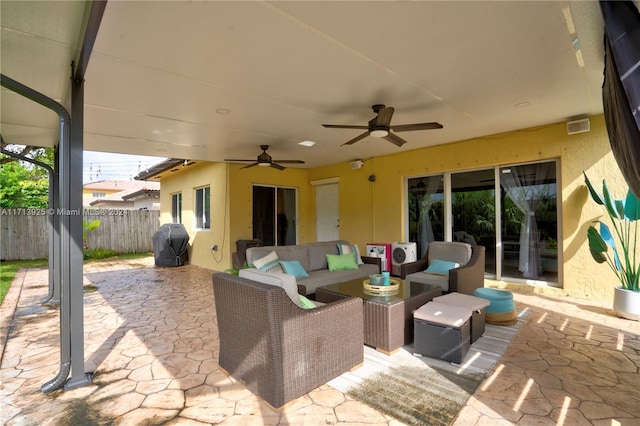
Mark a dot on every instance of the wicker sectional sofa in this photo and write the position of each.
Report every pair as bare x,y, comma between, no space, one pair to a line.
312,257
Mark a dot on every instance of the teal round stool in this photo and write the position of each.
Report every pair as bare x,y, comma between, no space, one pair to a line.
501,309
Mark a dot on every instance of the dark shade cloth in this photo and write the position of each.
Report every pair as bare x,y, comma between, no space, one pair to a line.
621,89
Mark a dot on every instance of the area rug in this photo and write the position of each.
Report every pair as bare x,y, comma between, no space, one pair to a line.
421,390
418,395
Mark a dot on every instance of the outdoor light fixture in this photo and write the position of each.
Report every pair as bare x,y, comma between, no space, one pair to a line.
379,133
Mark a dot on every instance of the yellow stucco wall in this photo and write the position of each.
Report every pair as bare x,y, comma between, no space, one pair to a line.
187,181
242,181
374,211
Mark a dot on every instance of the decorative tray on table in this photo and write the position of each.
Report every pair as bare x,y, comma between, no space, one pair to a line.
392,288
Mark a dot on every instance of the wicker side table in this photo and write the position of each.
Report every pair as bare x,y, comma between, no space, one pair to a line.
388,320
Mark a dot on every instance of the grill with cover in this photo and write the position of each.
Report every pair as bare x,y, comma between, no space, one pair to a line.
170,243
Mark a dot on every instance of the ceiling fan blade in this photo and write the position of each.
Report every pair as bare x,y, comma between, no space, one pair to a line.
417,126
397,140
231,159
343,126
384,117
277,166
250,165
357,138
289,161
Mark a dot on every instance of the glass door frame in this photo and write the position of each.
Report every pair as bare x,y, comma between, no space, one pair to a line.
275,194
448,217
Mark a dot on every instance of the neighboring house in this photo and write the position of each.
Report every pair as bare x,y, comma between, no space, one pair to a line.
144,199
122,194
375,202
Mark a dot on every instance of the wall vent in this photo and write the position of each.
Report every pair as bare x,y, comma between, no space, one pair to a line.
578,126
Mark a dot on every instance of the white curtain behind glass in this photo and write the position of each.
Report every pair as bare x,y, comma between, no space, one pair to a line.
523,185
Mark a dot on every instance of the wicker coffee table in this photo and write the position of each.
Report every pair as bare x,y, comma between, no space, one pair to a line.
388,319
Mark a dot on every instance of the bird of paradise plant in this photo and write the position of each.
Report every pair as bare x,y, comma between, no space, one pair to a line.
624,216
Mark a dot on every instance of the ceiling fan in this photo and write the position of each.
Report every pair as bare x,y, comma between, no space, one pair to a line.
380,127
265,160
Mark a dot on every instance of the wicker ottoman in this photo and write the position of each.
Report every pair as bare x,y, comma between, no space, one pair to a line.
501,310
477,305
442,331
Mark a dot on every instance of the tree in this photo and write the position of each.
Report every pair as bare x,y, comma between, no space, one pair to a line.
23,184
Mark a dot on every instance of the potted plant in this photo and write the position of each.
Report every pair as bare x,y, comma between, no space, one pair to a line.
625,257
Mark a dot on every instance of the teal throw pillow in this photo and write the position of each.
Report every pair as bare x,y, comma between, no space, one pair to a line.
341,262
441,267
306,303
294,267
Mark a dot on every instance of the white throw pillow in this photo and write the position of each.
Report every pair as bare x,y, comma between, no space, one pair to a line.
348,249
268,263
286,281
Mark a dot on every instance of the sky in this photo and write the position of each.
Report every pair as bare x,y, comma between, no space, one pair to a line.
99,166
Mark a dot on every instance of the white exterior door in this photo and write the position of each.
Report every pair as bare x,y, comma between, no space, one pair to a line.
327,218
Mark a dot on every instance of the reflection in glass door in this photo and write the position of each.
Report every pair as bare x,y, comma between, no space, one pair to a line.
473,208
529,217
426,211
274,215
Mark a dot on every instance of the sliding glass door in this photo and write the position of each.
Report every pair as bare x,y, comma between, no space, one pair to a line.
530,236
473,211
426,211
274,215
520,239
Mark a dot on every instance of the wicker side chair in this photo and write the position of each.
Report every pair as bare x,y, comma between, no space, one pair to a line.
464,279
279,350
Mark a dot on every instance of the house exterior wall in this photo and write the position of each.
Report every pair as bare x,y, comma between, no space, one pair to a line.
236,224
149,203
200,240
240,194
114,205
374,211
87,195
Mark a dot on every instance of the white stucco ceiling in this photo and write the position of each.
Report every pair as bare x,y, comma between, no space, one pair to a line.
160,71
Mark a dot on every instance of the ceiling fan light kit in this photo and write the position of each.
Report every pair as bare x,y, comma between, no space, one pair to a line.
379,133
380,127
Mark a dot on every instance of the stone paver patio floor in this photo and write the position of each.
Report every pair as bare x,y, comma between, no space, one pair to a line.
151,339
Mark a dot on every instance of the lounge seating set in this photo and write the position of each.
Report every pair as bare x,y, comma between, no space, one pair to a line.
282,344
313,259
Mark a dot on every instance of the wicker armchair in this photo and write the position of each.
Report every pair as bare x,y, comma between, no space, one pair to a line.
464,279
279,350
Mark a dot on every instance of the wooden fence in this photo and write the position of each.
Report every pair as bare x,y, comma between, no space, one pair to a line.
24,233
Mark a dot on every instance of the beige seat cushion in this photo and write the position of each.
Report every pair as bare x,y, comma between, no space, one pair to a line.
286,281
458,299
444,314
